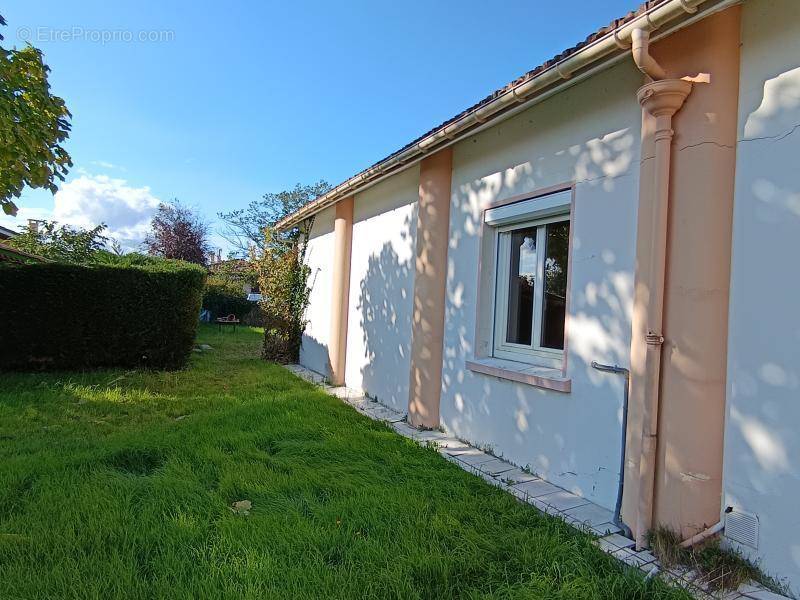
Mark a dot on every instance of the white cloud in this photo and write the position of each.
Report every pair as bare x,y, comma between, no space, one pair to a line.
24,213
90,200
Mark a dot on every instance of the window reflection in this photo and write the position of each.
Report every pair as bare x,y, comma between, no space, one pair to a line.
522,276
554,300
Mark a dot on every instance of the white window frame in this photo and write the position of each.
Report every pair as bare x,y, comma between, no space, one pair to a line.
554,209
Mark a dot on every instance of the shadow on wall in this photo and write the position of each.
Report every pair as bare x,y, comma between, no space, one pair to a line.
314,355
600,312
385,304
770,195
762,473
572,439
314,350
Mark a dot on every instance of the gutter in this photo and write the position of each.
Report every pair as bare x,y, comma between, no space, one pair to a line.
559,75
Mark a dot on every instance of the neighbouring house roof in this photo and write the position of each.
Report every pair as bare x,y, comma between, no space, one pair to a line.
12,255
6,233
394,162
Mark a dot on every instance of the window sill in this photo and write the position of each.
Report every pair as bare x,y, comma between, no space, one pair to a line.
541,377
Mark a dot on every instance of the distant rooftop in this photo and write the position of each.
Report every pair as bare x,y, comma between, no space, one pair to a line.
6,233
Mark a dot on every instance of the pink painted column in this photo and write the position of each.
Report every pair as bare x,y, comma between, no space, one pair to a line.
340,296
688,485
427,325
673,470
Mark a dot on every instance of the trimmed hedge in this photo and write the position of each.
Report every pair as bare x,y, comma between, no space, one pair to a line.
66,316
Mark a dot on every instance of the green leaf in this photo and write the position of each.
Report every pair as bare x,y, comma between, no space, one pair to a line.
9,208
33,126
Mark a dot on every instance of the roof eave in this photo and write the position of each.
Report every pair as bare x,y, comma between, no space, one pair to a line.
553,76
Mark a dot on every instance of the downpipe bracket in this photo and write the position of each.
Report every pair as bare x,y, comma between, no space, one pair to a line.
654,339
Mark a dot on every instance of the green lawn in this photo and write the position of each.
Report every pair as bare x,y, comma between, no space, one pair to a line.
118,485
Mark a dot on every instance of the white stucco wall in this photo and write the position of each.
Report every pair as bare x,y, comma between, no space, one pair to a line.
762,445
381,289
589,134
314,351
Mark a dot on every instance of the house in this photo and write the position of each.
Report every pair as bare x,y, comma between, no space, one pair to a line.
6,233
633,202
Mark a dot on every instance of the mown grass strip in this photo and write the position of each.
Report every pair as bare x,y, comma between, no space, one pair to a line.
120,485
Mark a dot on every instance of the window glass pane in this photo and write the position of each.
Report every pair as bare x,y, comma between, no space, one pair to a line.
522,273
554,299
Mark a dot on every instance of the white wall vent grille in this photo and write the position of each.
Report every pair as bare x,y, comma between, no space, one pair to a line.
742,527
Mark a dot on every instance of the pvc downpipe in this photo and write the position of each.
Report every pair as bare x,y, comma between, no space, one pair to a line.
688,543
706,533
703,535
661,99
622,37
695,539
621,485
640,50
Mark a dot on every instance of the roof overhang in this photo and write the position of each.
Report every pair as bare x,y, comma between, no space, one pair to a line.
6,233
598,52
9,254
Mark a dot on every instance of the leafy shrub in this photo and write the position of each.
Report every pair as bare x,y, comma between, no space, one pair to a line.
131,259
68,316
224,297
283,279
62,243
235,269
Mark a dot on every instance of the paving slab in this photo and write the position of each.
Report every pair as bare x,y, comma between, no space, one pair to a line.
381,413
615,541
458,453
474,459
633,559
466,449
450,443
495,467
429,436
345,393
647,555
357,402
491,480
750,588
516,476
395,418
536,488
591,514
605,529
307,374
404,429
562,500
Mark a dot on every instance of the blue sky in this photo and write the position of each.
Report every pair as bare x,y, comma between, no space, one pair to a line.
235,99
